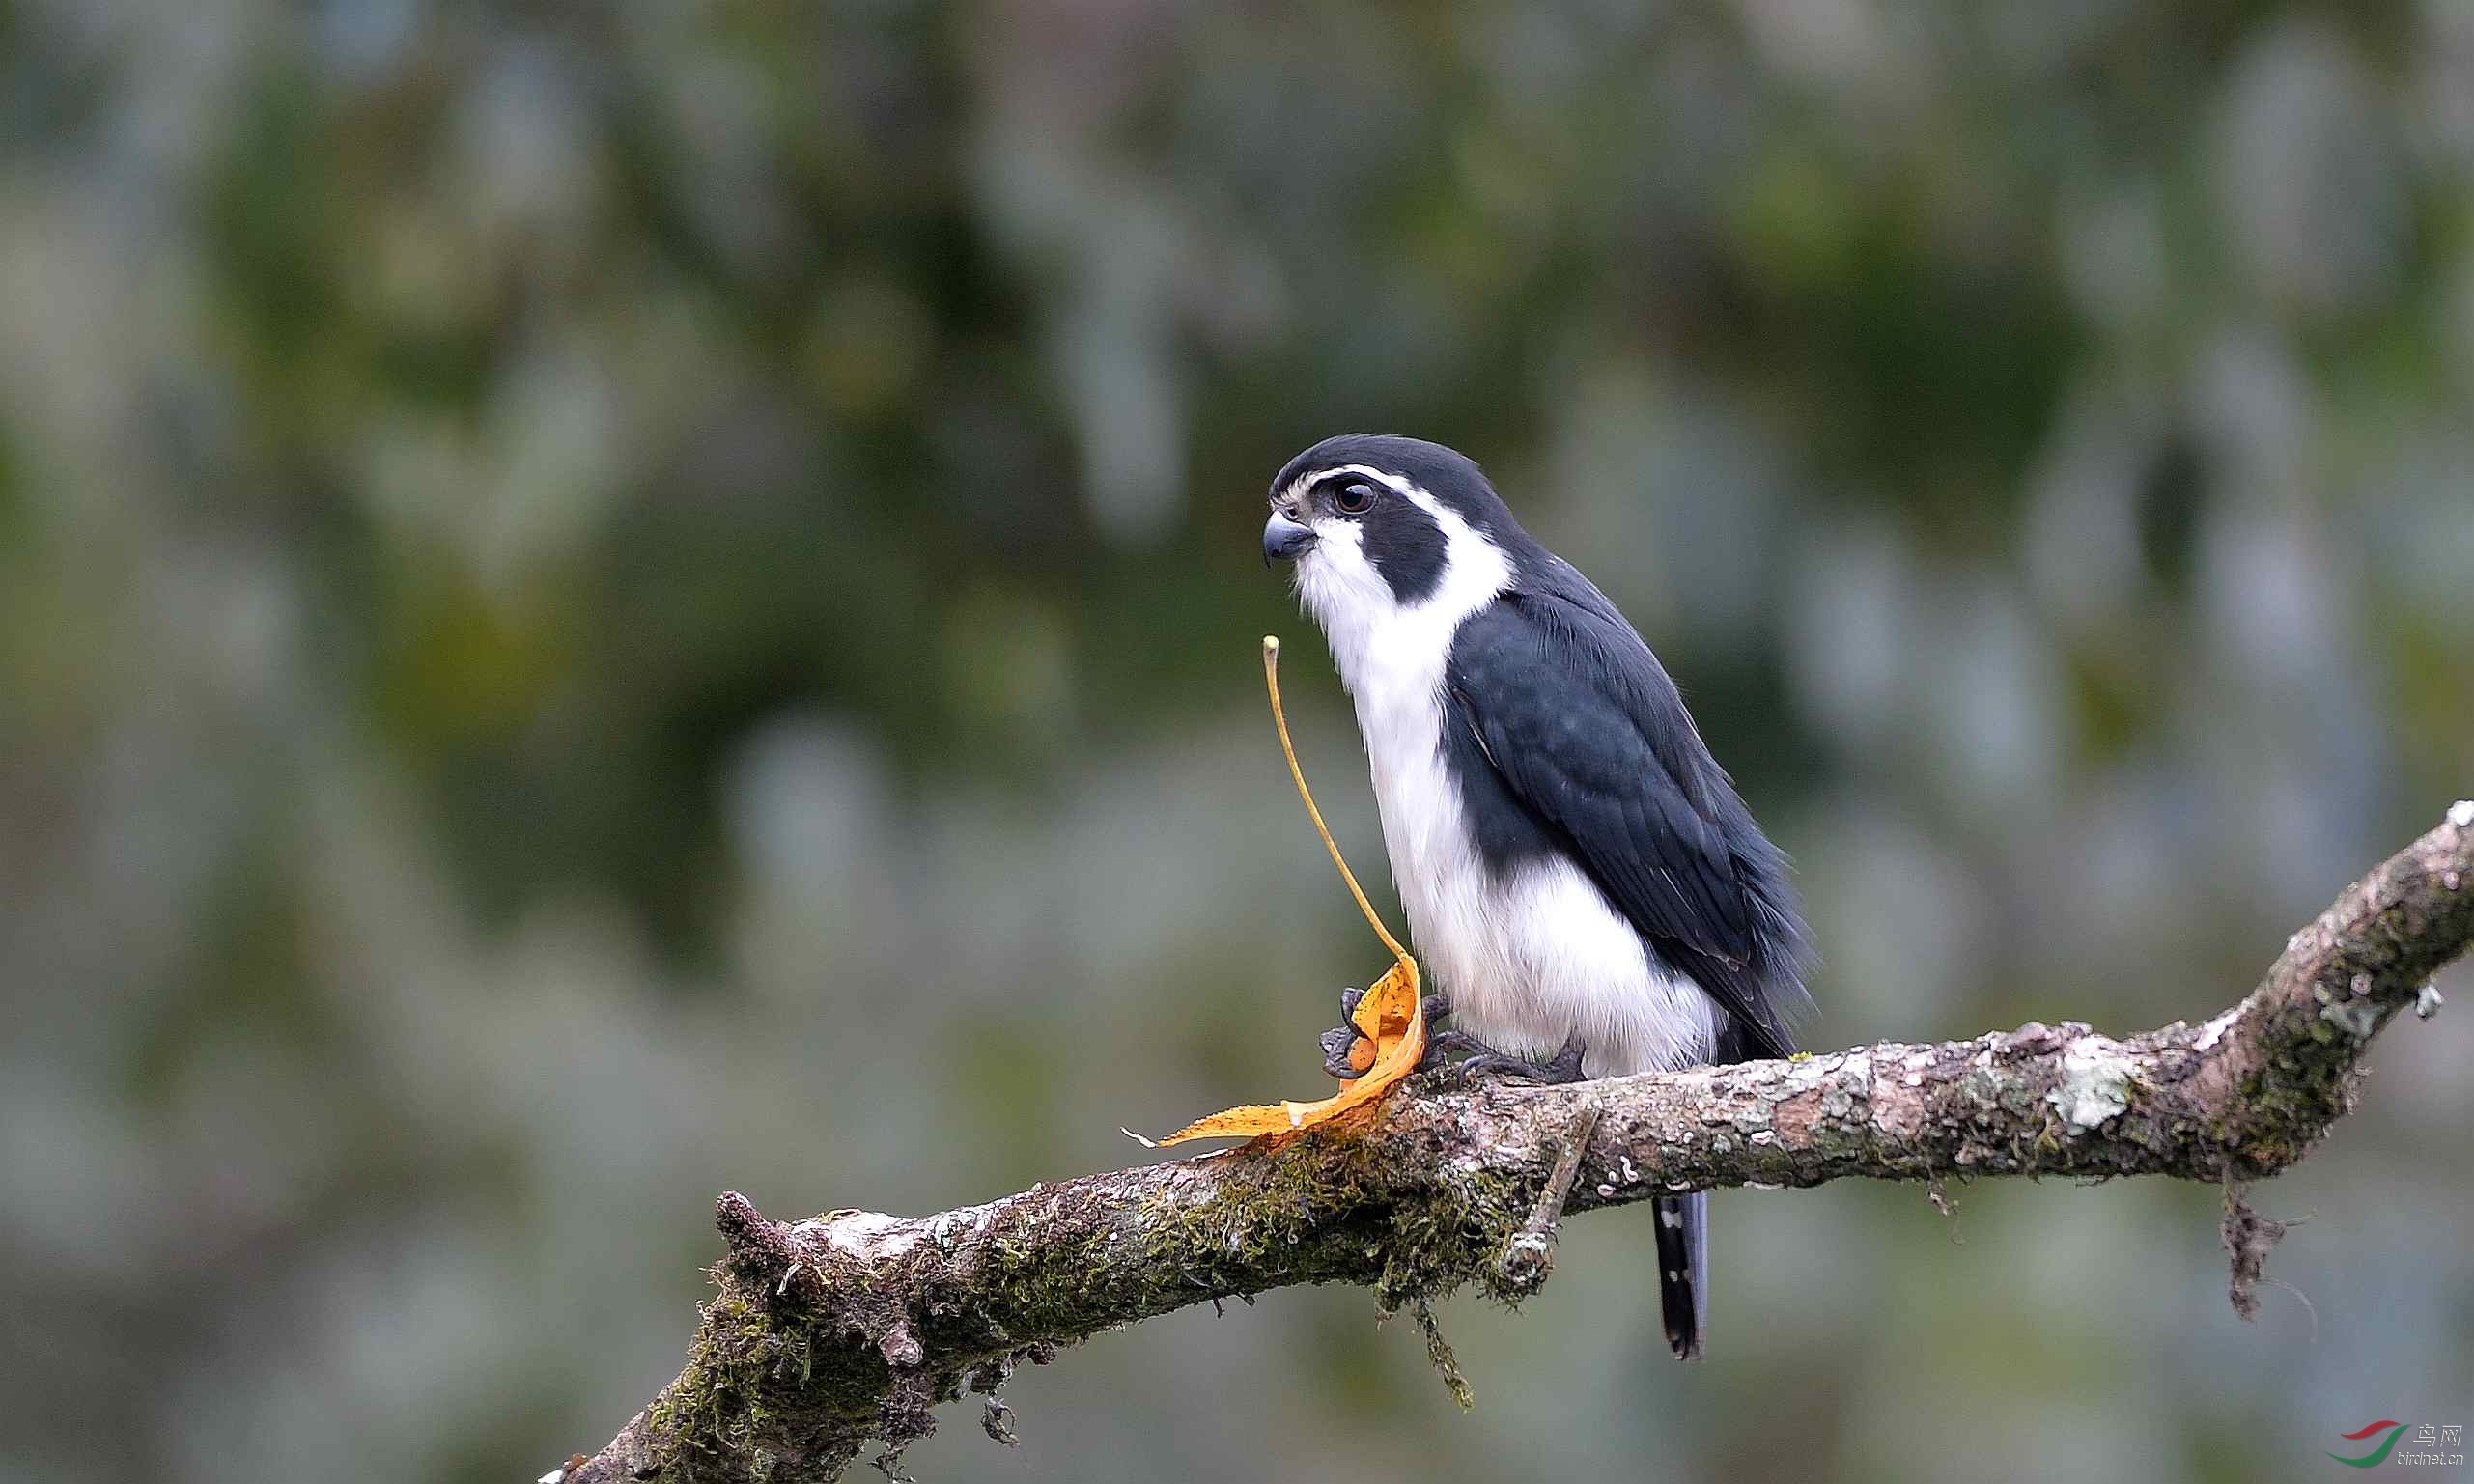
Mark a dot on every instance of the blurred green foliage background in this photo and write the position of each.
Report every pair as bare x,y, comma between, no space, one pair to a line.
599,604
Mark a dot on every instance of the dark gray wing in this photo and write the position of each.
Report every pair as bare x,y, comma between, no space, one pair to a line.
1586,729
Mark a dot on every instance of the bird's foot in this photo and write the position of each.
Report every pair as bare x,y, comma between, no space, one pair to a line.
1482,1060
1337,1043
1341,1040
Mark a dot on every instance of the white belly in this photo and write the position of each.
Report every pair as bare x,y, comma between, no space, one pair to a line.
1530,960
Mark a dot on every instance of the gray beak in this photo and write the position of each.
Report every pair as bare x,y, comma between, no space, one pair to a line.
1283,539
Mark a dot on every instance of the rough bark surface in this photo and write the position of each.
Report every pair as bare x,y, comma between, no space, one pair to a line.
847,1328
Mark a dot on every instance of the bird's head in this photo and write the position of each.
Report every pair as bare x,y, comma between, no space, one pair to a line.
1378,526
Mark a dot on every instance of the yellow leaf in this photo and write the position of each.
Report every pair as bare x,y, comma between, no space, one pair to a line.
1391,1017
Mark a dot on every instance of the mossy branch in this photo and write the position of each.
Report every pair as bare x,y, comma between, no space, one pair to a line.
850,1326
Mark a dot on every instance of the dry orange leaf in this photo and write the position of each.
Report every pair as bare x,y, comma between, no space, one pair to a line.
1392,1016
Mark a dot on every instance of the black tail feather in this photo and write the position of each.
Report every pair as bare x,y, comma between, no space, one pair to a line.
1683,1228
1683,1271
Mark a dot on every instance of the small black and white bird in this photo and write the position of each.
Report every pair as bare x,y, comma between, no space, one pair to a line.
1590,896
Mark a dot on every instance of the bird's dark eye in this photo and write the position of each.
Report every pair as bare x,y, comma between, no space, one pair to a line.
1353,499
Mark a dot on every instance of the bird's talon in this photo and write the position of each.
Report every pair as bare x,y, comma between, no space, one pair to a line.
1483,1060
1512,1068
1337,1043
1443,1044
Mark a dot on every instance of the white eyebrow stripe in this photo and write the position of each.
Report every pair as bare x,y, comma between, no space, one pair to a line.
1398,485
1451,521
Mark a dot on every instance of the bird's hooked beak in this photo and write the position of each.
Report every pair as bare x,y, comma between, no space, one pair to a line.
1283,539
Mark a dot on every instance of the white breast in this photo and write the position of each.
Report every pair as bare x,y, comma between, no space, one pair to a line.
1528,960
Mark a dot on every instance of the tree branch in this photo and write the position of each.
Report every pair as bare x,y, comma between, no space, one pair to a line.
849,1326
